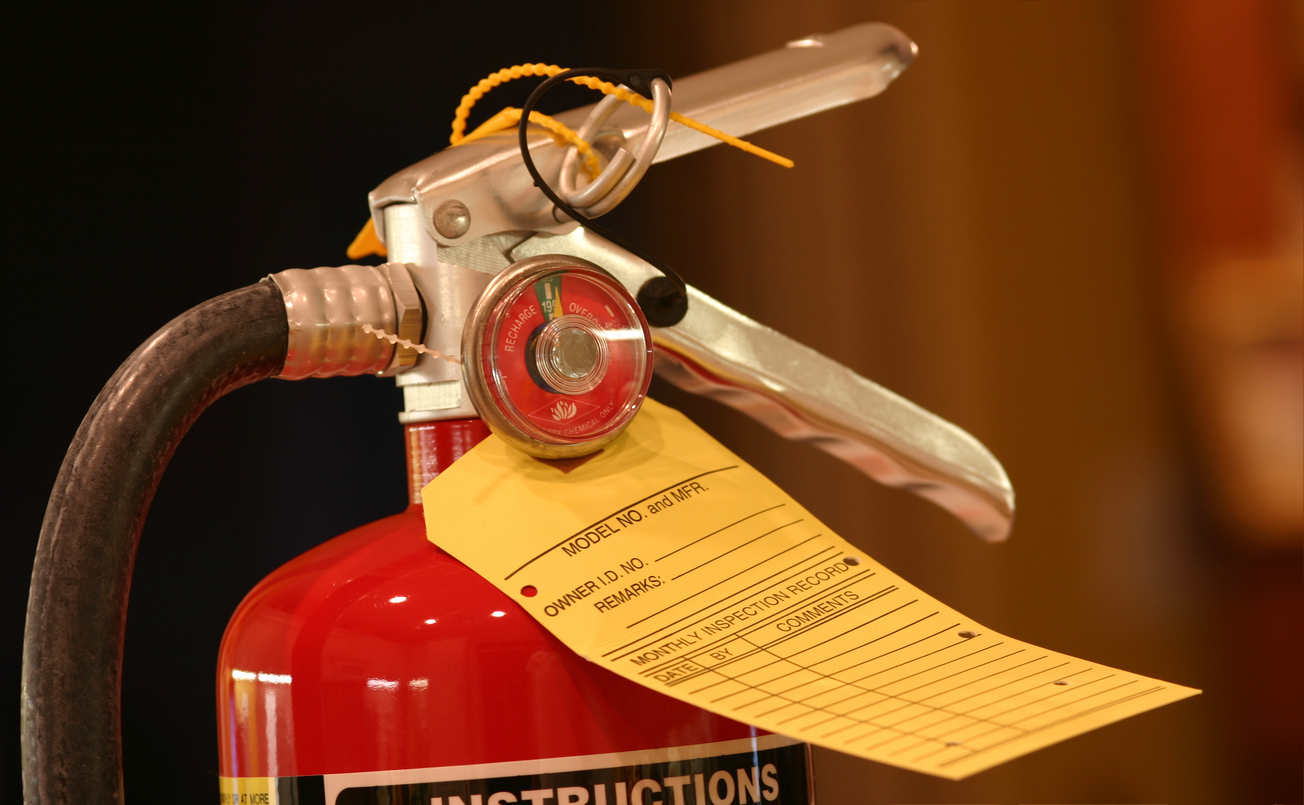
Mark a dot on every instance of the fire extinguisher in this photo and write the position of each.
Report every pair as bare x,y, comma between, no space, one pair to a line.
377,668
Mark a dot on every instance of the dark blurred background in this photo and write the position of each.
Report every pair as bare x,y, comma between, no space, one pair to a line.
1072,228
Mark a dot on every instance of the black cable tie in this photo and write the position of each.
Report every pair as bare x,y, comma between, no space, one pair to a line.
664,300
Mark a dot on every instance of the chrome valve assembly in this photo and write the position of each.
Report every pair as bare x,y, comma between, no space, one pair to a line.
526,318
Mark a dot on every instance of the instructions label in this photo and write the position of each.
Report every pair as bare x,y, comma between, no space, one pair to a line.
769,770
671,562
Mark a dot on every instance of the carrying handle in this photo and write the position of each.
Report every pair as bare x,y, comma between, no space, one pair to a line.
803,395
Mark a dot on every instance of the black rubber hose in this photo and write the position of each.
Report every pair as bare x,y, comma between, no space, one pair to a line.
77,609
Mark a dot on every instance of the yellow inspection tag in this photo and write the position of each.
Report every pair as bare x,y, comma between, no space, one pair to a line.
671,562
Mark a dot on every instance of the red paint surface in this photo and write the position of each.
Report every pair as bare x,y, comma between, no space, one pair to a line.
430,447
377,650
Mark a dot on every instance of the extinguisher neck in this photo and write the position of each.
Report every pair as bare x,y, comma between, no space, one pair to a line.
432,447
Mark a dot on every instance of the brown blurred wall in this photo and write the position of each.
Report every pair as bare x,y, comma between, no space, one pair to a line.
1223,85
982,239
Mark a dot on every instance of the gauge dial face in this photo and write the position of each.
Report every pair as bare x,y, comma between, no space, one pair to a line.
567,356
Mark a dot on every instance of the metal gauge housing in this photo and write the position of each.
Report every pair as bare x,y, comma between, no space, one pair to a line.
557,356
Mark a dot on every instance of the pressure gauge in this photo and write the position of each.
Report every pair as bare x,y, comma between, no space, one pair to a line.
557,356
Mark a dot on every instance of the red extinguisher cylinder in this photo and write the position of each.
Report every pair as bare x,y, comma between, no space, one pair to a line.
377,651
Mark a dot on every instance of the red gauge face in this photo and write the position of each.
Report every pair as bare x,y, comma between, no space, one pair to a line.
567,356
